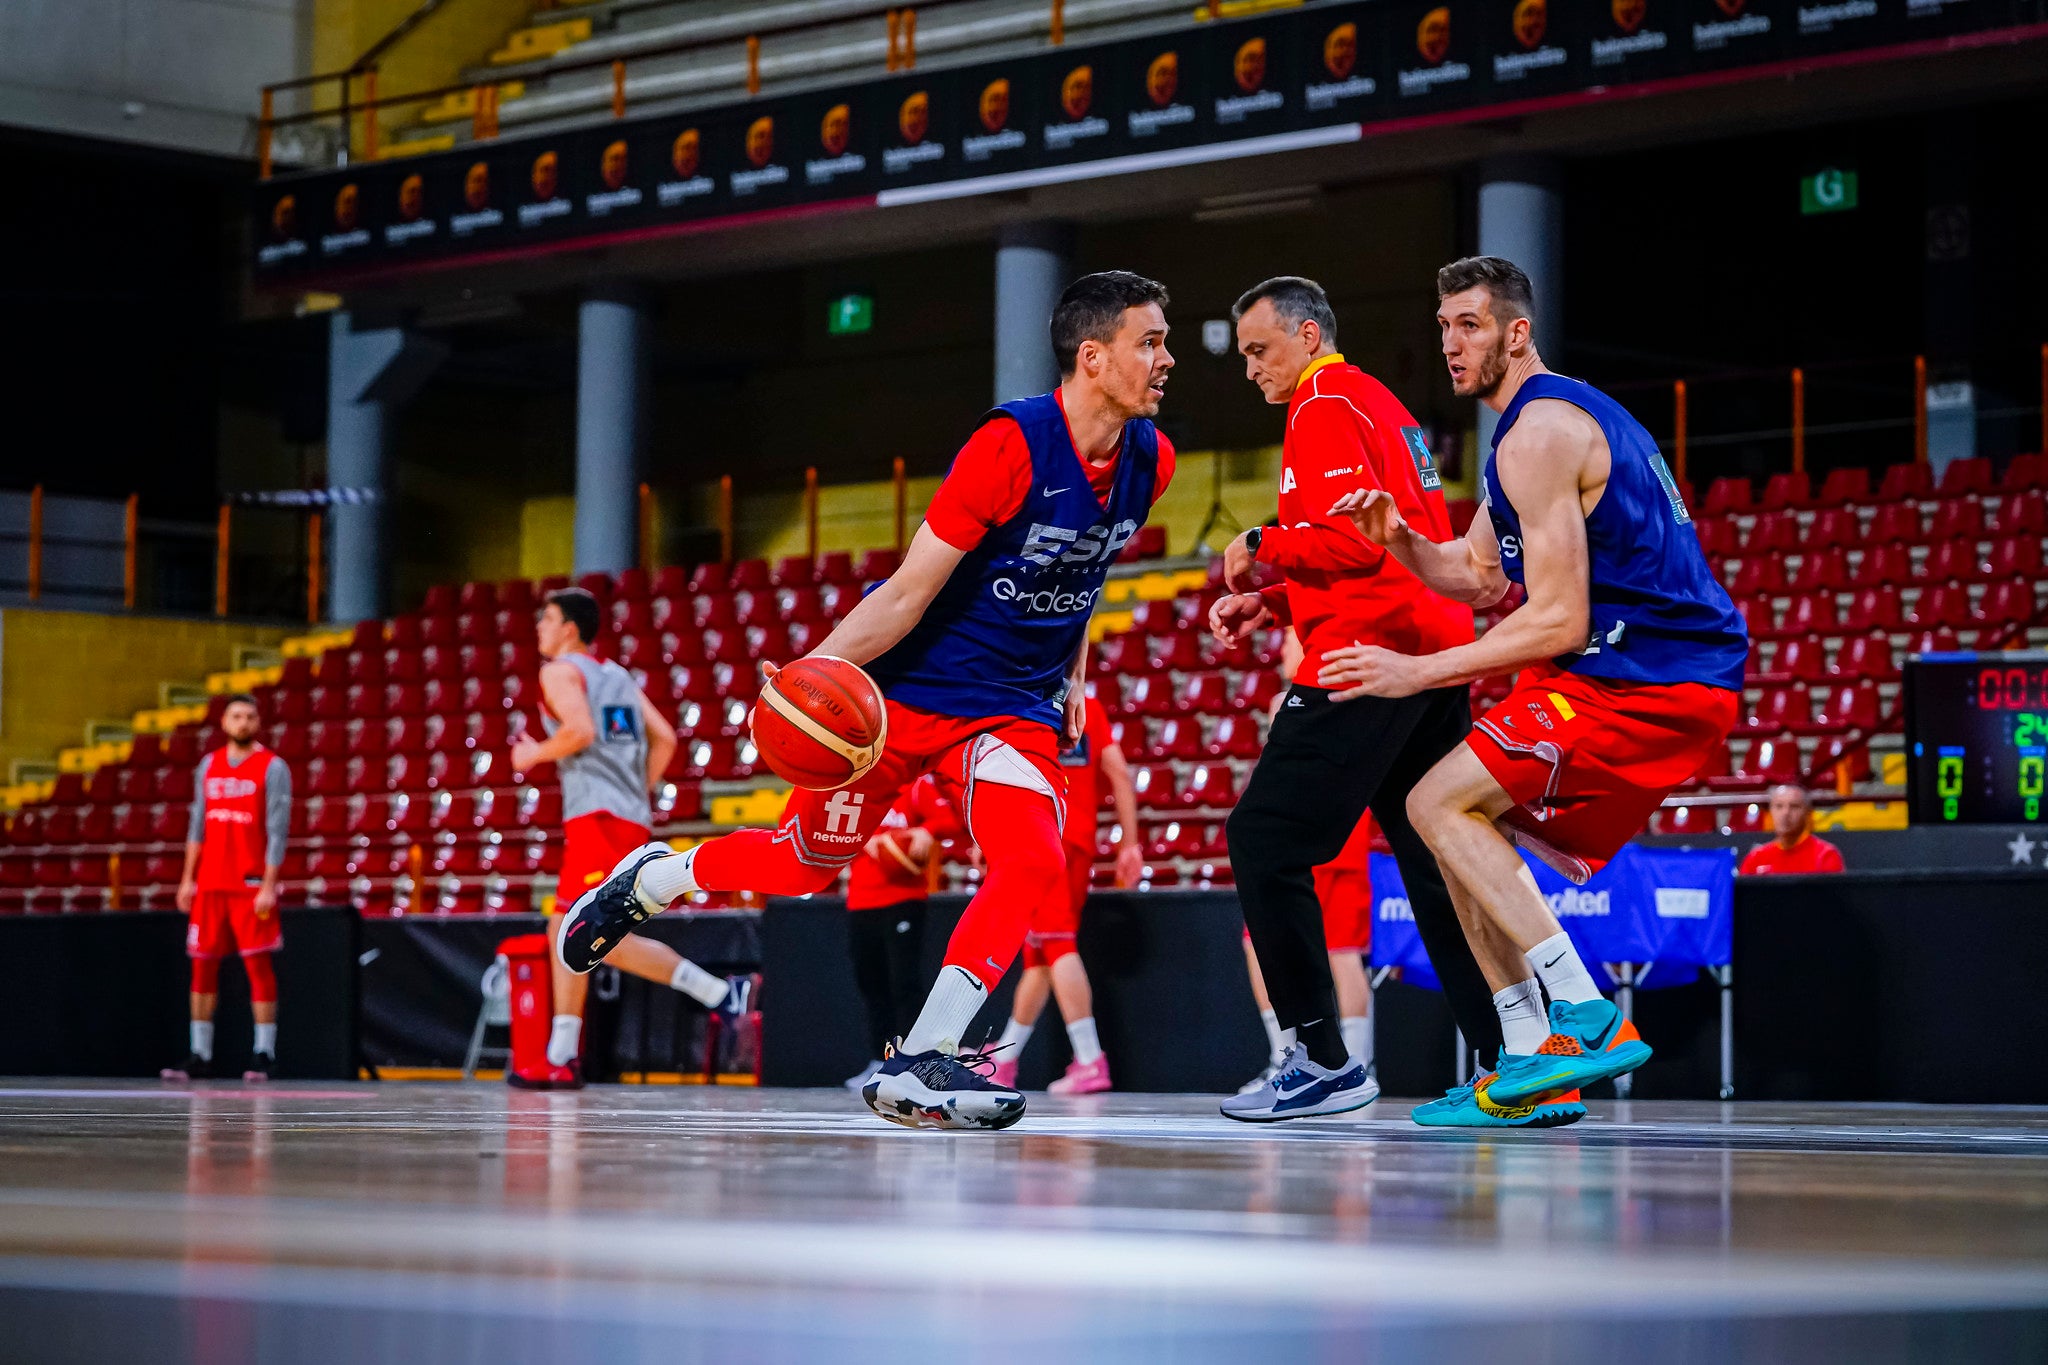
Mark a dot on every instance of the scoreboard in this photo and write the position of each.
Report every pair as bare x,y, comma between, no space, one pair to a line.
1977,737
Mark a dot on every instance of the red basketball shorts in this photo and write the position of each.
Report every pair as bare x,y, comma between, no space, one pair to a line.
592,845
224,922
1587,760
1346,896
829,829
1053,925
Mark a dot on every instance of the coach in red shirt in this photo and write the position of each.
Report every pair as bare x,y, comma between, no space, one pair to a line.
1794,847
1327,763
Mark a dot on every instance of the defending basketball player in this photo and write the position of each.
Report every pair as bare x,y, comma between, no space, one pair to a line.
978,643
1631,659
610,745
1051,966
241,818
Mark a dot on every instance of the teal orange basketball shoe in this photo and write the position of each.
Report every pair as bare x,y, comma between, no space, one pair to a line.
1473,1106
1588,1042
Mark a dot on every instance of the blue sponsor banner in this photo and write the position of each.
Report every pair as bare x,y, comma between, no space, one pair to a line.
1674,907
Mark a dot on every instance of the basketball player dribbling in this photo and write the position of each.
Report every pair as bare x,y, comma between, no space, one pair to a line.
978,643
1631,660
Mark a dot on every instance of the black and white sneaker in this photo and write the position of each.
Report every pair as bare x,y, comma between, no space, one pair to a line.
193,1068
1300,1089
260,1067
937,1090
608,911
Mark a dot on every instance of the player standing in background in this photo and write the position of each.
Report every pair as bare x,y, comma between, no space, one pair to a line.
610,745
1793,846
886,890
979,643
241,819
1325,765
1050,963
1631,657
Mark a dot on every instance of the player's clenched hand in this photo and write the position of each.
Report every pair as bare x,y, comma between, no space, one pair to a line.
188,894
266,901
525,755
1237,615
1369,671
1373,512
1130,864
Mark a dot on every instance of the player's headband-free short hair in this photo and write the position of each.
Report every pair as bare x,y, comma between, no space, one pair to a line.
1296,299
242,699
1505,284
1092,308
580,610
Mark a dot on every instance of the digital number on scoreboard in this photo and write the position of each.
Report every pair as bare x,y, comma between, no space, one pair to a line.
1977,737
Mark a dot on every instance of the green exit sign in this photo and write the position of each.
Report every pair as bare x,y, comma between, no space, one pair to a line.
1827,191
851,313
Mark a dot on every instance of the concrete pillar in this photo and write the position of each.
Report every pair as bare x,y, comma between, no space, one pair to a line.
611,391
371,371
1521,217
1031,270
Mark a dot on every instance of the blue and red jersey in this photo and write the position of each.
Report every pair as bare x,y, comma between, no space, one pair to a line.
1040,528
1659,613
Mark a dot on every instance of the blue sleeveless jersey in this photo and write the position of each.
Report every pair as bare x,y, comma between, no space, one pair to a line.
1659,614
1000,637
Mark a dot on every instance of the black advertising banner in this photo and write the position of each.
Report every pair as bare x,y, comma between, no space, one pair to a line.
1319,66
1737,32
1438,54
1343,55
1635,40
1532,47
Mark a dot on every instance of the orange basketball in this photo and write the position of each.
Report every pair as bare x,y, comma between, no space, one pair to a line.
820,723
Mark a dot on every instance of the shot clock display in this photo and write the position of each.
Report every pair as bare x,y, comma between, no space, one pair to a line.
1977,738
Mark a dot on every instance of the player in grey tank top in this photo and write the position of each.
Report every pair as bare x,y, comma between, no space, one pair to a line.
609,745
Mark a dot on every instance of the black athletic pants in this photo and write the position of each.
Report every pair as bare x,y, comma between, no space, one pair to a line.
1325,763
887,944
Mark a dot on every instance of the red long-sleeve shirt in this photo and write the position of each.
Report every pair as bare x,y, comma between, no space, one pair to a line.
873,882
1345,431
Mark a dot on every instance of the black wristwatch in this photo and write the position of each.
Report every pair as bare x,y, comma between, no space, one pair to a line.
1251,540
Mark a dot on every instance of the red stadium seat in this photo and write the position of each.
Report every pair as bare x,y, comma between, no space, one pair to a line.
1972,475
1903,481
1943,604
795,604
1779,708
598,585
1834,751
1149,694
1769,762
1790,489
1822,570
2024,471
139,784
2015,557
1941,641
1875,609
1759,614
1205,693
1775,532
714,611
95,824
1810,614
1865,656
1896,521
793,571
2008,604
516,594
1958,519
1852,706
2023,514
876,565
1849,484
1178,737
1255,692
1953,559
1211,785
1720,537
1732,494
836,566
1888,565
101,784
632,582
131,822
1153,783
1179,652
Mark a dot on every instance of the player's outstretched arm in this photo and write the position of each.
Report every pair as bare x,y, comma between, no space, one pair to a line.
886,615
1542,467
1464,570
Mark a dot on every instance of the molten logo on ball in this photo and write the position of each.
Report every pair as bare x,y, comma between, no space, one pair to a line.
821,723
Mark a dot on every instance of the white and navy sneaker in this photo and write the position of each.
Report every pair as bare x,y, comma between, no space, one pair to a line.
608,911
1300,1089
939,1090
1262,1080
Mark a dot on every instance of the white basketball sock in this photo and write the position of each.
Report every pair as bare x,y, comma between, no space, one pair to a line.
1522,1025
1087,1047
664,881
1015,1035
1357,1031
1563,975
202,1039
700,985
956,998
566,1040
1278,1039
266,1039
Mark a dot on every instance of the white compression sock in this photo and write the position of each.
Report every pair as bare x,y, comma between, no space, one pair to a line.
1278,1039
566,1040
1087,1047
202,1038
955,999
1357,1031
665,881
700,985
1522,1025
266,1039
1015,1035
1564,977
